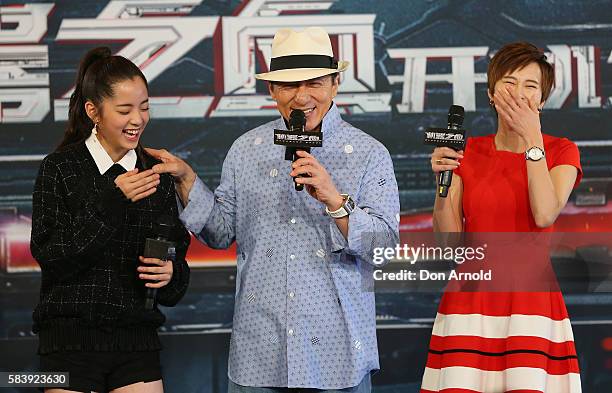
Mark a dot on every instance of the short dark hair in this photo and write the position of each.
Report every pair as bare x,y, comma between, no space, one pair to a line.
514,56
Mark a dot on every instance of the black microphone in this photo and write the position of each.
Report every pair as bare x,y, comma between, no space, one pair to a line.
297,123
297,138
161,248
453,136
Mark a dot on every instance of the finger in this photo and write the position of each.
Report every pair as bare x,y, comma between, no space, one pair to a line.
142,189
305,169
302,153
305,161
157,284
168,167
140,181
143,195
442,168
151,270
533,106
153,277
513,99
142,175
160,154
307,180
151,261
503,108
445,161
127,174
504,100
441,152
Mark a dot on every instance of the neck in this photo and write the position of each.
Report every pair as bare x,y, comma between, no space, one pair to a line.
115,154
507,140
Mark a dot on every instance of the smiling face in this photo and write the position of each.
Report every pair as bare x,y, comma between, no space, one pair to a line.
121,118
313,96
525,82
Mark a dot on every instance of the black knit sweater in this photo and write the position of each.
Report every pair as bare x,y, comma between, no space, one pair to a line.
87,238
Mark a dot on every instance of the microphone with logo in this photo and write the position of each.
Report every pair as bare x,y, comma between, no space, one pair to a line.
453,136
297,138
161,248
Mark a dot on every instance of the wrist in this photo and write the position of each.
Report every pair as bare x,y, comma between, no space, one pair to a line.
534,140
186,181
336,203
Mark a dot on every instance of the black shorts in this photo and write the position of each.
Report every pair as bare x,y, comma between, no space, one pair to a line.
103,371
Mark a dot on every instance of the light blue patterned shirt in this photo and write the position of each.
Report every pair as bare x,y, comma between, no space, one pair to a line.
302,317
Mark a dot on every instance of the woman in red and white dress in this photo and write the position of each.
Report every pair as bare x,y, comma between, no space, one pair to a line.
516,180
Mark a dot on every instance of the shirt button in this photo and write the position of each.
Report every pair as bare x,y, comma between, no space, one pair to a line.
321,253
290,332
291,295
274,172
293,220
292,257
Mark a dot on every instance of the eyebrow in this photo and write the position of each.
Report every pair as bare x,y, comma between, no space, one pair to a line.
144,102
514,79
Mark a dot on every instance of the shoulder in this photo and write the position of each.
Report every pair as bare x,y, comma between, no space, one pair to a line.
360,141
66,158
553,143
256,136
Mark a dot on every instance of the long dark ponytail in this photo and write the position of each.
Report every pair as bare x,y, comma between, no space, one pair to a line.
98,72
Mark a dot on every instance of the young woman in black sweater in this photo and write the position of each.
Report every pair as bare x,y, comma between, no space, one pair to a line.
95,202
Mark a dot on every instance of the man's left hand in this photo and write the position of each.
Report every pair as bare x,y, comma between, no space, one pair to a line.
319,185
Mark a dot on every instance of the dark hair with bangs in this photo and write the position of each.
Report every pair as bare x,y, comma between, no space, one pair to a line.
514,56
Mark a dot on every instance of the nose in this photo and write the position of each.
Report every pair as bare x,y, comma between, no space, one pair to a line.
136,119
301,95
520,92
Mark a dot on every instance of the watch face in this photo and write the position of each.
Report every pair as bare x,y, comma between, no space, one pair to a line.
535,154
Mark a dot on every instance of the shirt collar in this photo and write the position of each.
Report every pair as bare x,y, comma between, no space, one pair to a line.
103,160
331,121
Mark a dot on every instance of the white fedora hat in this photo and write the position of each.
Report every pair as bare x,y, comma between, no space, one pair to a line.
301,55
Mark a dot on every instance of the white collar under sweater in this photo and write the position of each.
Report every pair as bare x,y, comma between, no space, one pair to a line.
103,160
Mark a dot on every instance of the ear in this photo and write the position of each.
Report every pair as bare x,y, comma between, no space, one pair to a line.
92,111
271,90
490,95
335,86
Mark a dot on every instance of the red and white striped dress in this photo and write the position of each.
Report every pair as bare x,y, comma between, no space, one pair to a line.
514,341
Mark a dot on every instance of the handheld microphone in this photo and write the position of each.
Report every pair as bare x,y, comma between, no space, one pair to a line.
297,138
161,248
453,136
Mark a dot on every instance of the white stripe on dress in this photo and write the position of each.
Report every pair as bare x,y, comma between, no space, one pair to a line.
502,327
499,381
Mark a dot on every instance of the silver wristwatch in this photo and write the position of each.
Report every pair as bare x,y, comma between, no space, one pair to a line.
347,207
534,154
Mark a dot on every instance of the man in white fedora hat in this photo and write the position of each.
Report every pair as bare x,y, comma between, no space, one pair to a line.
303,317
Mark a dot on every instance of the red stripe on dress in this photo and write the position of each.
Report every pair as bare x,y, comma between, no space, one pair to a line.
511,343
547,304
503,362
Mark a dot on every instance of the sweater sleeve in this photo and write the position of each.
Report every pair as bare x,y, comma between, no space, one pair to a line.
170,294
69,226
